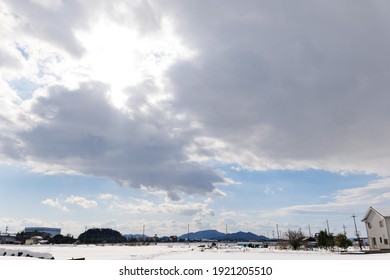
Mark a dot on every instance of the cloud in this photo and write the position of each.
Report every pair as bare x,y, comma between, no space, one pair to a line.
284,87
260,84
151,208
272,190
54,203
342,202
81,201
53,21
105,196
81,131
268,190
119,128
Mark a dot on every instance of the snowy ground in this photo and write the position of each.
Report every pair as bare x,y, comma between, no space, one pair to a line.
174,252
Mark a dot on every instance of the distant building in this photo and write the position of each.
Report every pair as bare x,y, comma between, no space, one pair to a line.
50,231
7,238
310,242
377,221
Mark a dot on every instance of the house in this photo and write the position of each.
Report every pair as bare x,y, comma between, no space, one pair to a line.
377,221
310,242
33,240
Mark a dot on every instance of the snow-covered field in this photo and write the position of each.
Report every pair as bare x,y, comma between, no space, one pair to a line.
174,252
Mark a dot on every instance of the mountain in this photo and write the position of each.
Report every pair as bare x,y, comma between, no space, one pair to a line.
216,235
135,236
246,236
204,234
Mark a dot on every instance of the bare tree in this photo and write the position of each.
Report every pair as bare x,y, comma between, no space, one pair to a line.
295,238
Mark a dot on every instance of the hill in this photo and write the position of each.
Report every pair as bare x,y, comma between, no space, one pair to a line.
100,235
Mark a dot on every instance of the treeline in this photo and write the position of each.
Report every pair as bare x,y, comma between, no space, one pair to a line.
91,236
22,237
297,240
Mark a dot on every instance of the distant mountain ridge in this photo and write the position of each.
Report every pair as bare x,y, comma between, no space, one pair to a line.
219,236
135,236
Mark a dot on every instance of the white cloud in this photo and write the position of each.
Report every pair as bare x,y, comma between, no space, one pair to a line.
165,208
342,202
272,190
219,192
54,203
105,196
268,190
81,201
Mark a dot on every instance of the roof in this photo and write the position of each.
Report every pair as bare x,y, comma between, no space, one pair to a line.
384,211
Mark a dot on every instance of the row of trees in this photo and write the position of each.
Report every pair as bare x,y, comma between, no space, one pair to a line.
324,240
91,236
22,237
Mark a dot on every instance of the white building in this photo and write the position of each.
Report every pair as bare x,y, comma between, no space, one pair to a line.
377,221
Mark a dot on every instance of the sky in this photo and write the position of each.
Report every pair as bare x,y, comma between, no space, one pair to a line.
239,115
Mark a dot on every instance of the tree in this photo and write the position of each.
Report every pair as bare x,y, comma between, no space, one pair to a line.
295,239
101,235
342,241
325,239
60,239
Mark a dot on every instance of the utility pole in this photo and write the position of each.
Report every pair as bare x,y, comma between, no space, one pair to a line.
356,231
226,233
277,230
85,234
345,233
6,230
327,224
188,234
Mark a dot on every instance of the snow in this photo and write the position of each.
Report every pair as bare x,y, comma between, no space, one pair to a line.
176,251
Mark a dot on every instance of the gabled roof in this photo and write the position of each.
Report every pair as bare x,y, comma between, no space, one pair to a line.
384,211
